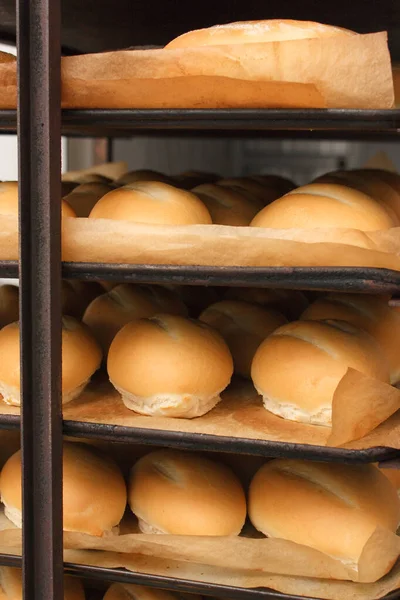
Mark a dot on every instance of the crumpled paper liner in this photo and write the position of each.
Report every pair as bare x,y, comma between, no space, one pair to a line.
108,241
250,552
336,72
241,414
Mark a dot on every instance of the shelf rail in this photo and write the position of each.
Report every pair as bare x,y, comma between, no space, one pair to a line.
39,129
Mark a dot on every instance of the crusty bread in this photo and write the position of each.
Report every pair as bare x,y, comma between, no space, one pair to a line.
11,585
83,198
226,205
81,357
326,205
370,313
94,491
152,202
186,494
243,326
333,508
247,32
169,366
298,368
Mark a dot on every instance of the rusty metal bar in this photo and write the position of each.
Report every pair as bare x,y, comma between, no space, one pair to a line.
39,129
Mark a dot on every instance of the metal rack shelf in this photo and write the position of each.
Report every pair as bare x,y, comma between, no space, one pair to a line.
349,279
114,122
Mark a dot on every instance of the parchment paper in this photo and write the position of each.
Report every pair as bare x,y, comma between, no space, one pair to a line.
336,72
373,416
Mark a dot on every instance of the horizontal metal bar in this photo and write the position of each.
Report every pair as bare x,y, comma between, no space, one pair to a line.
348,279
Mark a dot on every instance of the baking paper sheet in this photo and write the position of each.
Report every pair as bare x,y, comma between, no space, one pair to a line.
336,72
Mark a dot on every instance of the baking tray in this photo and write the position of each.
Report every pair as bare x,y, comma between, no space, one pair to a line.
344,279
215,443
127,122
171,583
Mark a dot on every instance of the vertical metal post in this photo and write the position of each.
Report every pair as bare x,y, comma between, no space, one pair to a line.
110,149
39,129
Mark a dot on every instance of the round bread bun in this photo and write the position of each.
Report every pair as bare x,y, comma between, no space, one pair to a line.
143,175
227,206
282,185
169,366
108,313
11,585
298,368
93,178
325,205
290,303
9,201
94,491
81,357
255,32
83,198
9,304
165,299
394,477
382,188
370,313
185,494
190,179
250,187
152,202
330,507
121,591
243,326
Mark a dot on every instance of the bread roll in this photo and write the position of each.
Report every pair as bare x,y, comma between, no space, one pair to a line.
243,326
330,507
9,304
152,202
109,312
11,585
81,357
83,198
325,205
370,313
165,299
169,366
250,187
121,591
143,175
382,186
290,303
185,494
94,491
256,32
227,206
190,179
9,200
282,185
86,178
298,368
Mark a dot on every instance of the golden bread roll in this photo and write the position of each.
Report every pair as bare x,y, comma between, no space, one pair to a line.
185,494
169,366
227,206
256,32
9,304
243,326
143,175
298,368
282,185
190,179
325,205
81,357
109,312
94,491
370,313
11,585
92,178
330,507
382,186
152,202
250,187
9,200
290,303
83,198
